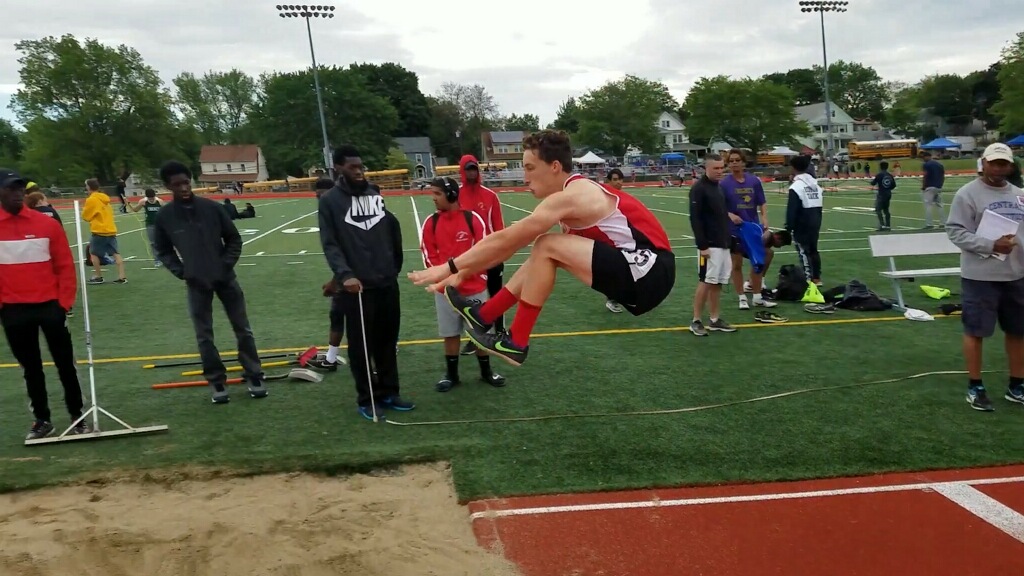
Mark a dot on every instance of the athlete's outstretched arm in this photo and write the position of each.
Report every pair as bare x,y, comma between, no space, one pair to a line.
501,245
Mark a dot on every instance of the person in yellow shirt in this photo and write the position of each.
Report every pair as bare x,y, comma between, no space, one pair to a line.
100,216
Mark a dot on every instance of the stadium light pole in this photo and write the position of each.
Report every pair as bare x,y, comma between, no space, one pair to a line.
822,6
309,11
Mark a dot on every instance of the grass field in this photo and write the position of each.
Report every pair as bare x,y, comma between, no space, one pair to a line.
589,361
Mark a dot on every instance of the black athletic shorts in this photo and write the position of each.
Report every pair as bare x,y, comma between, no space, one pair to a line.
614,276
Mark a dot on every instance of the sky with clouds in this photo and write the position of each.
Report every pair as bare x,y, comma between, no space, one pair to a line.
532,54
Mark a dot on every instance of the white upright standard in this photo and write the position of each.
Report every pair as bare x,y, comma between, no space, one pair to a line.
95,409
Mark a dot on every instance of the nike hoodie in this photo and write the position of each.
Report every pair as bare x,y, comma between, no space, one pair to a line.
360,237
803,210
480,198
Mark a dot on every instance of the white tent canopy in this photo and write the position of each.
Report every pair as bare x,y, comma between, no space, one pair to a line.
784,151
590,158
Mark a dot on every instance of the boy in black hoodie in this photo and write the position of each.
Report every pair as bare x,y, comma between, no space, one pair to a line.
200,230
362,243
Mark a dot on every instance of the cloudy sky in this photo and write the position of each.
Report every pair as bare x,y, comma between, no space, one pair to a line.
531,54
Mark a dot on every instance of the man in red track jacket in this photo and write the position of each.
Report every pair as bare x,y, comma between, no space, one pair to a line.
37,288
480,199
448,233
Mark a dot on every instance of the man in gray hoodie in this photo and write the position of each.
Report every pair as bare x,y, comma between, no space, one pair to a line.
992,272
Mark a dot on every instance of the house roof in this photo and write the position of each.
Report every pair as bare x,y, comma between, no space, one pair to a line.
228,177
515,137
233,153
414,145
672,116
815,113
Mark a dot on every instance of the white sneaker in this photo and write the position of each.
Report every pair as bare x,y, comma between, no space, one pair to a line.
744,305
765,303
746,287
613,306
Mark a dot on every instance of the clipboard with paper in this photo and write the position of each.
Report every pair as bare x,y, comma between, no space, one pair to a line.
994,226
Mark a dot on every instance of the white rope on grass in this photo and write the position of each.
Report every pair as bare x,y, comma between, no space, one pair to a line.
684,410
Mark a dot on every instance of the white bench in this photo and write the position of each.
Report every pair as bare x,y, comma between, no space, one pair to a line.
922,244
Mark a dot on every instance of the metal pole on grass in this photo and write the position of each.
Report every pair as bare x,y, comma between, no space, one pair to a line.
822,6
318,11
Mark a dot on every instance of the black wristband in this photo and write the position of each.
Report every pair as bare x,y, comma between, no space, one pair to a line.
451,266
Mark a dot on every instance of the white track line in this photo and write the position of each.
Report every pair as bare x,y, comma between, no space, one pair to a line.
272,230
936,486
419,224
985,507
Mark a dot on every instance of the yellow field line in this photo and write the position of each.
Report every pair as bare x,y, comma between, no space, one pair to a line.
610,332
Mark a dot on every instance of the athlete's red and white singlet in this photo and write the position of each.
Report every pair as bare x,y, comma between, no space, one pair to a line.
631,228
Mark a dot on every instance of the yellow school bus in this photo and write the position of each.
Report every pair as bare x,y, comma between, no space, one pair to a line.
873,150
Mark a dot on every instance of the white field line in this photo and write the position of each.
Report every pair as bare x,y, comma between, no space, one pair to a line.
985,507
275,229
952,487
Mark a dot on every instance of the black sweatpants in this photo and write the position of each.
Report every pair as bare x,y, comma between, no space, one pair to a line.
200,308
882,209
22,324
494,284
810,259
382,315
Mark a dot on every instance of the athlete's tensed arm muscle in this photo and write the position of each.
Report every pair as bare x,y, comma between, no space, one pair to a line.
501,245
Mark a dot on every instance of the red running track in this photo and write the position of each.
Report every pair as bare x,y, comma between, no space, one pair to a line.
944,523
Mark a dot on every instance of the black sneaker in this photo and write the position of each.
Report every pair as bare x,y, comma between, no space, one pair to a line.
83,427
96,280
368,411
445,384
40,429
466,309
496,380
469,349
121,281
220,394
499,345
323,364
766,317
258,389
396,403
978,399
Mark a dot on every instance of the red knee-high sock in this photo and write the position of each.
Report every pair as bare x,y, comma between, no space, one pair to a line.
522,324
497,305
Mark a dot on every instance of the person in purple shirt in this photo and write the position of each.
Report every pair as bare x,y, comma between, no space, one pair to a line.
745,199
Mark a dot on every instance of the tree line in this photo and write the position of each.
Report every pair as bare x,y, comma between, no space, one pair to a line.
93,110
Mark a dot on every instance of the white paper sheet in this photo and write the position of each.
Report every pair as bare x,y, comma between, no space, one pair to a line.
994,226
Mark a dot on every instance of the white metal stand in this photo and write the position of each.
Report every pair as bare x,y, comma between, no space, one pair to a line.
95,409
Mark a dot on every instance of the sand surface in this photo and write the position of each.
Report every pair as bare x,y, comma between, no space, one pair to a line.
401,523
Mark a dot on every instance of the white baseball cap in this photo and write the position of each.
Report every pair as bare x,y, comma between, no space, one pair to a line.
997,151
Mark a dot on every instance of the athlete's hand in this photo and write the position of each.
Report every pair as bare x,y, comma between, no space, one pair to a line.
435,278
352,285
705,253
1005,244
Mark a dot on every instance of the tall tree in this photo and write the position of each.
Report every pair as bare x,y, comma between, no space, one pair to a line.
92,110
1010,108
446,128
288,123
524,123
760,113
477,113
624,113
402,88
902,115
949,97
11,145
985,94
217,105
856,88
805,84
567,118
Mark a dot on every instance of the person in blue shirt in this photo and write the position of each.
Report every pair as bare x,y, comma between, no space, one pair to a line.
931,188
884,183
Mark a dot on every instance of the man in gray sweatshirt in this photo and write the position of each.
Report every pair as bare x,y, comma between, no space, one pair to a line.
992,272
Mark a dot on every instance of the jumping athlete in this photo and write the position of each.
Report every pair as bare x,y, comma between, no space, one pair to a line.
612,243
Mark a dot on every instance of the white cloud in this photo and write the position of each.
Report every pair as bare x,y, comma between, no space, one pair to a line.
532,58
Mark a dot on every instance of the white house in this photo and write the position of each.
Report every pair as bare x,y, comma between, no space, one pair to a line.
842,126
236,163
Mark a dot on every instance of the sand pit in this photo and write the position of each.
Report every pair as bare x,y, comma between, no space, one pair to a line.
405,522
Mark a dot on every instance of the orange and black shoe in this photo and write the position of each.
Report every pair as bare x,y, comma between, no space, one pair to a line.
499,345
